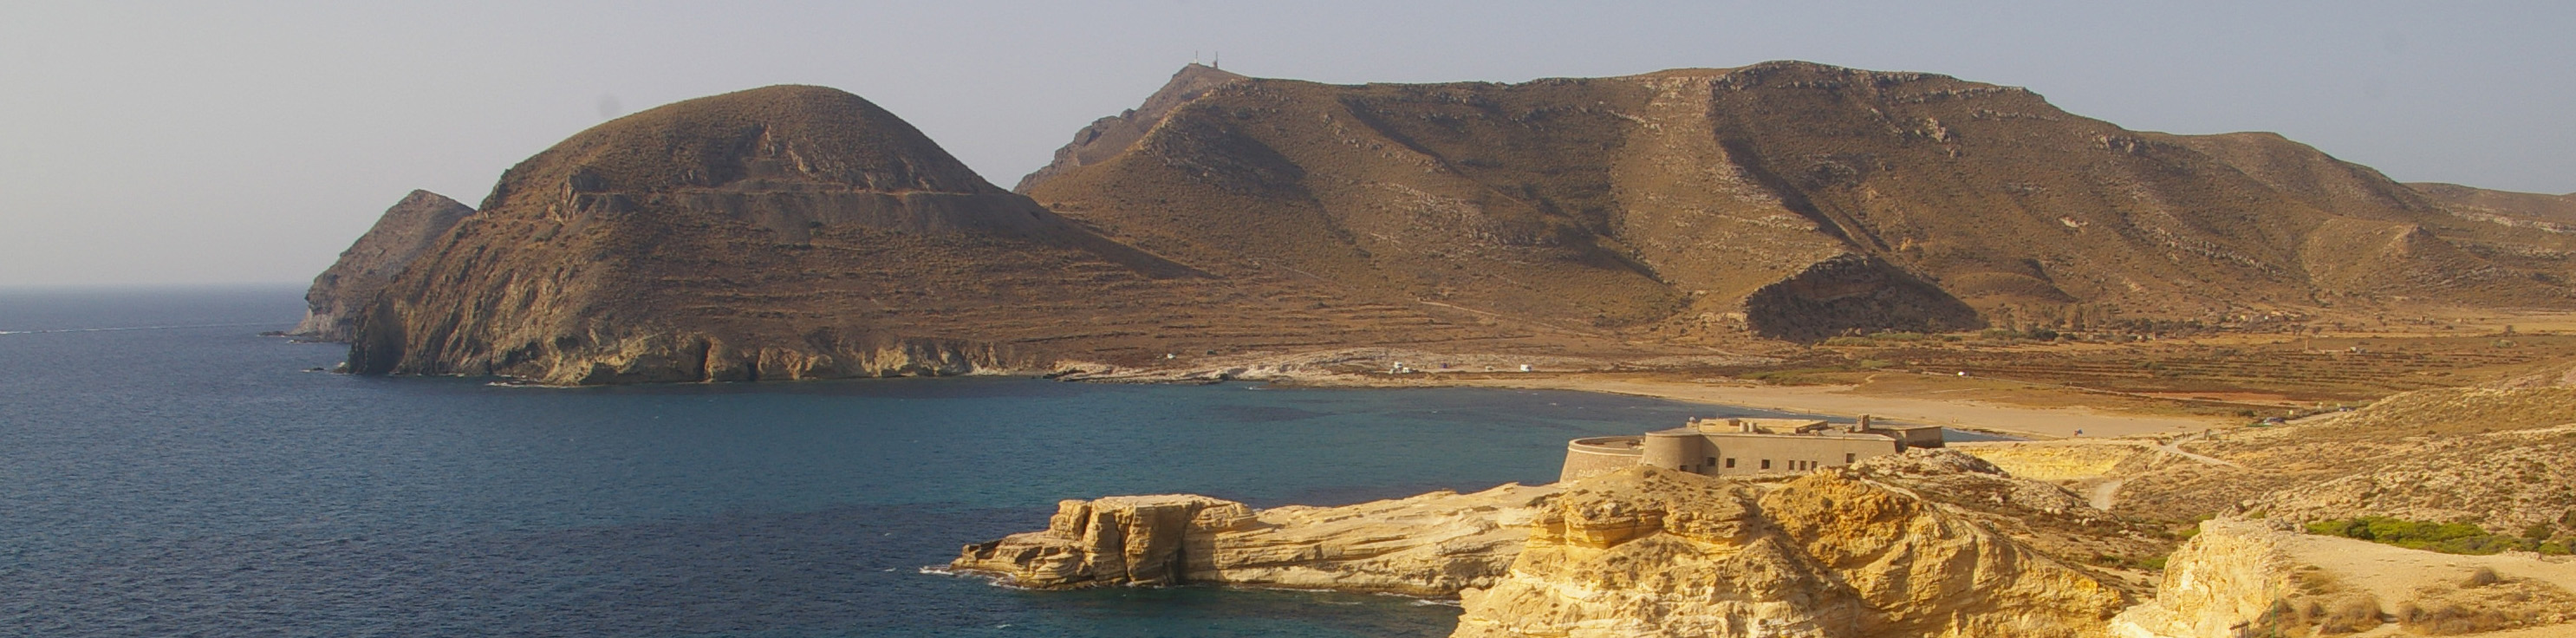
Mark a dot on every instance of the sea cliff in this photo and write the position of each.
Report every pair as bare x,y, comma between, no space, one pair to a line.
1851,552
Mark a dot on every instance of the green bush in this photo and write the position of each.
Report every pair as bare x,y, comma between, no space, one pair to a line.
2448,538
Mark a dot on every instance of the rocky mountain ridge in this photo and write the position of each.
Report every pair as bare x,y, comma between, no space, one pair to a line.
1785,199
802,232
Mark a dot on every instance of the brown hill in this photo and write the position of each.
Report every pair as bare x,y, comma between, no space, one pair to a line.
1787,199
801,232
408,228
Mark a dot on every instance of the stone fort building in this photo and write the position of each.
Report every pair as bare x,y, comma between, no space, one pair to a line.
1733,447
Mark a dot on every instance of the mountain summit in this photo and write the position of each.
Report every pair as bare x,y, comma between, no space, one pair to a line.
781,232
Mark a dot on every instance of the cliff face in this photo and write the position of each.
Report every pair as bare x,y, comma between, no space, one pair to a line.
1922,544
1682,203
411,227
1646,552
1429,545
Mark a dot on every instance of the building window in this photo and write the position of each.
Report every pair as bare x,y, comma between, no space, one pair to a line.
1766,464
1849,458
1730,462
1712,462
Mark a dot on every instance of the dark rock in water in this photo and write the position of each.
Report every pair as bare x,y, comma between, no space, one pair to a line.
405,230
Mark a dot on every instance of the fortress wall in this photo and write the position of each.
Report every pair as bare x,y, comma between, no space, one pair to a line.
1583,461
1681,451
1750,451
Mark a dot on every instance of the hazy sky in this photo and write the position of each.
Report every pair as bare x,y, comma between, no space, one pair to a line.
204,143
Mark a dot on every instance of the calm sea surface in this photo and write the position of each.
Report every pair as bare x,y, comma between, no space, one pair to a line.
166,472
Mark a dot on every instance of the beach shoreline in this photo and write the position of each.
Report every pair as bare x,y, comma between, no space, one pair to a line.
2036,423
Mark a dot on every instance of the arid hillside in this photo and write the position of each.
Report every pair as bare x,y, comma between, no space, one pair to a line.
1786,199
801,232
796,232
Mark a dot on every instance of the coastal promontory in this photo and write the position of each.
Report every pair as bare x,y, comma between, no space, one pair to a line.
412,226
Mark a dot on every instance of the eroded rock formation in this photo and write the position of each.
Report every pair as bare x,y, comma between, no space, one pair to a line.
1429,545
1862,551
1649,552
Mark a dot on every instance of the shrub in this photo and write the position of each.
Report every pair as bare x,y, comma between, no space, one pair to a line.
2448,538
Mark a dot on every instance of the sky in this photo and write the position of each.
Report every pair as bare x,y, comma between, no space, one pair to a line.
156,144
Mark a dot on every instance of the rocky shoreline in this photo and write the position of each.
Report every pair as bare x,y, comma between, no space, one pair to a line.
1640,552
2089,538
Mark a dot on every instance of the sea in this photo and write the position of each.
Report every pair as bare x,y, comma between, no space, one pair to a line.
165,470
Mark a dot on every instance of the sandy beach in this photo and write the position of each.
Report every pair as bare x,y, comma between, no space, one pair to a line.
2043,423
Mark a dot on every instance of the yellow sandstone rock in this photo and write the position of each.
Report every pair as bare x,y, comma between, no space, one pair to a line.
1649,552
1429,545
2263,578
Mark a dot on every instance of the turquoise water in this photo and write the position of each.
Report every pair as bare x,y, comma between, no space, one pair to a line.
164,471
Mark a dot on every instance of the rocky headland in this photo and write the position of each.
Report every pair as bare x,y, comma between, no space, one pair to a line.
411,227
